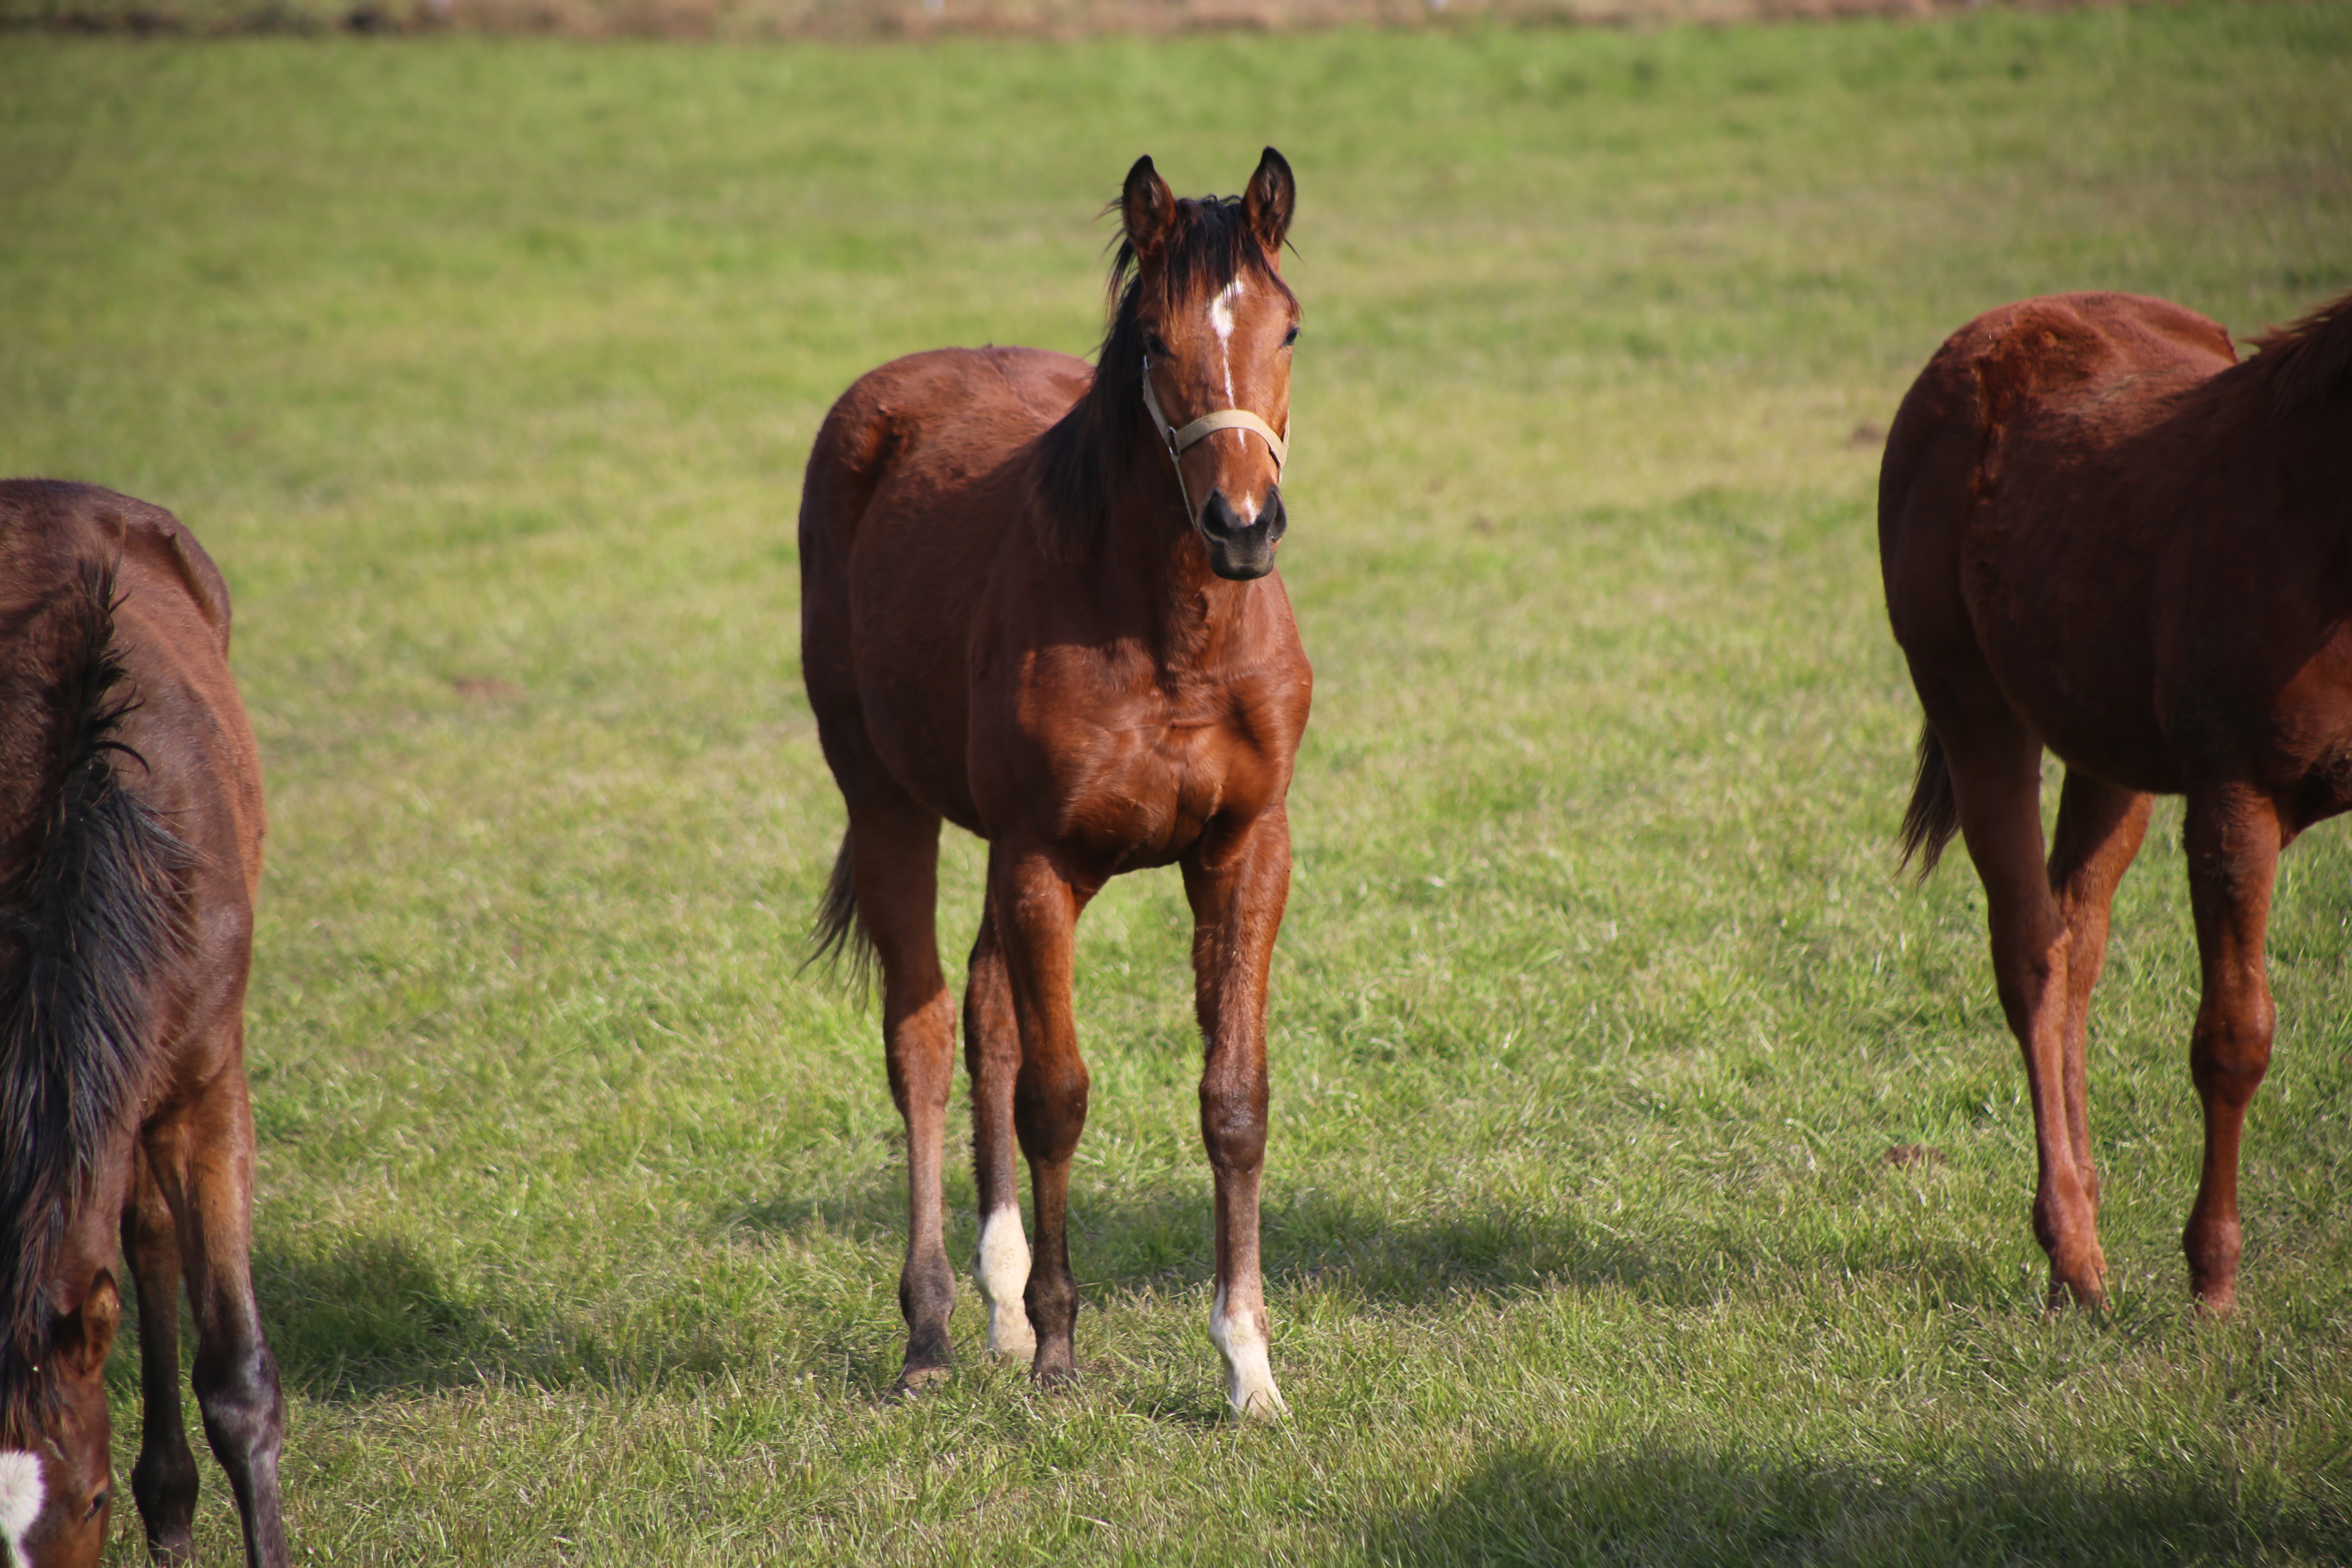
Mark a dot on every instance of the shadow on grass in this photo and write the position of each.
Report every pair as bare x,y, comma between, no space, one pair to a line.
377,1317
1665,1504
1162,1241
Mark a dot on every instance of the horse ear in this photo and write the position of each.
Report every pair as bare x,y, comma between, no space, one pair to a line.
1266,204
1146,208
85,1334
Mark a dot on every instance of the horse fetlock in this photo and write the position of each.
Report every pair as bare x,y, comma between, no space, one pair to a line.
926,1291
1002,1272
1240,1336
163,1484
2213,1247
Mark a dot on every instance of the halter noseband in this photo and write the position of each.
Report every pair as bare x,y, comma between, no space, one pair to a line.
1205,427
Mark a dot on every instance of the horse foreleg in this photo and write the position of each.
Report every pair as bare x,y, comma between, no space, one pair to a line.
163,1480
991,1054
893,857
204,1163
2233,841
2100,827
1996,766
1237,891
1035,910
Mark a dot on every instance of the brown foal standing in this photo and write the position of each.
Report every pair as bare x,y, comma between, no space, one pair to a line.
1039,601
130,824
2103,536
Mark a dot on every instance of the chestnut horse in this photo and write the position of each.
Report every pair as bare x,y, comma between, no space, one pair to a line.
2103,536
1039,601
130,825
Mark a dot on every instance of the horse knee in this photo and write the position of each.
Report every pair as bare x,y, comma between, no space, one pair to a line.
2230,1050
244,1409
164,1485
1233,1127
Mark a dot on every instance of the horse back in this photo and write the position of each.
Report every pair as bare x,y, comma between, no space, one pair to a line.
918,488
177,745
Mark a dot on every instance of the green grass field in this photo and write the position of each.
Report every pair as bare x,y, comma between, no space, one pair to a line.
486,369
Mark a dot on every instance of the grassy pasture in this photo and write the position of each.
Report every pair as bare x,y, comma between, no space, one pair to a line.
486,370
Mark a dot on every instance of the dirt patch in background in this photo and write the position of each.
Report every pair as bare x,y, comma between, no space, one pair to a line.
904,18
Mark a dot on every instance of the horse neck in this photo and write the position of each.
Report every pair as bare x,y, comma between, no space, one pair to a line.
1191,616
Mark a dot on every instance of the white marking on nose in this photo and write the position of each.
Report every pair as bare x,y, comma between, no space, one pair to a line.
20,1501
1002,1272
1249,1379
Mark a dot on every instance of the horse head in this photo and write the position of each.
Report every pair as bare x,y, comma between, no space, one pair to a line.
1215,324
57,1472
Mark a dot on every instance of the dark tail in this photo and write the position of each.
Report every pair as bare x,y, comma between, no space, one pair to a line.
1933,815
91,892
839,932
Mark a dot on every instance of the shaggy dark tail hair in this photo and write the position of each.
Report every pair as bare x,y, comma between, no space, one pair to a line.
92,888
839,933
1933,815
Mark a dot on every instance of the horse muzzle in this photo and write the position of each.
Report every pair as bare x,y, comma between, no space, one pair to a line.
1241,552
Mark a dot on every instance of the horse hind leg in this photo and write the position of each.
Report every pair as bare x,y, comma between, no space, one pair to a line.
2100,828
164,1479
2234,838
991,1054
894,848
1996,771
202,1164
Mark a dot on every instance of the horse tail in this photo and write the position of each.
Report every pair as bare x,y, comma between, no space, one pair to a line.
1933,815
91,885
839,932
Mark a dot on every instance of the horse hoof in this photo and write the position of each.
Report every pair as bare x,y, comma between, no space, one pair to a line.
1055,1379
2090,1296
916,1379
2215,1303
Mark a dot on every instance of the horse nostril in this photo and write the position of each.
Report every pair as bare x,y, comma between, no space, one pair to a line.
1218,516
1272,516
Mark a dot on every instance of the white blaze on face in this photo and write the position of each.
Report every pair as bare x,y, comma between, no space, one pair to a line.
1249,1380
1220,322
20,1501
1001,1274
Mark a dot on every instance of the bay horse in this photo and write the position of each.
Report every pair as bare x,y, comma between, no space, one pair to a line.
2103,535
130,825
1039,601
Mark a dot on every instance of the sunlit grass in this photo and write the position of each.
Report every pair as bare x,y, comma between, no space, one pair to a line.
486,369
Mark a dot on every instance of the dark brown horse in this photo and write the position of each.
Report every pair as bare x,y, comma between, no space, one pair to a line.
131,827
1038,602
2103,536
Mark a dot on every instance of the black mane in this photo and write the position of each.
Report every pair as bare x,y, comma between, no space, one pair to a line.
1082,462
90,900
2309,364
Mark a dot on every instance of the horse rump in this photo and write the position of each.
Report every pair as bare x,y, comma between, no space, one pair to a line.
91,890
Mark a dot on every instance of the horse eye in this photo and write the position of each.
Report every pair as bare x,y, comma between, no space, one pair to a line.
1154,345
1290,337
97,1503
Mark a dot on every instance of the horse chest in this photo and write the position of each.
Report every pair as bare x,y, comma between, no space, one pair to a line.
1142,794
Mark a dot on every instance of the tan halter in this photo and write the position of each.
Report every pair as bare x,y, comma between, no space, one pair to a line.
1205,427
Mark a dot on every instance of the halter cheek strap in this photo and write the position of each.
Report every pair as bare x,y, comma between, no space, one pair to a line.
1201,428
